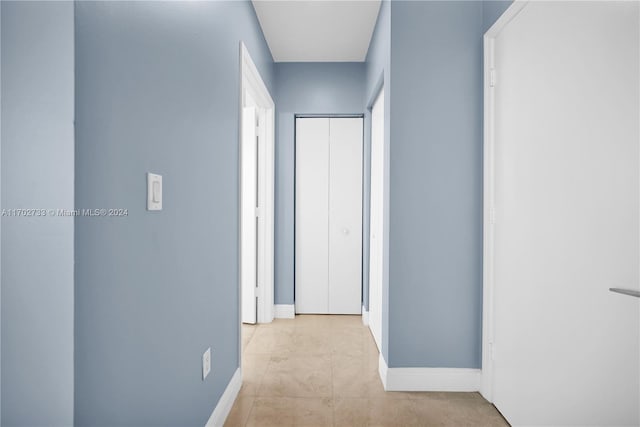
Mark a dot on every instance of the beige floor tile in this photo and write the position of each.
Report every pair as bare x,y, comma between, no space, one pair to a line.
313,321
272,412
320,370
370,342
456,410
351,377
475,413
265,340
297,376
347,321
247,332
287,411
239,412
372,358
254,366
349,341
283,324
308,342
349,412
313,412
387,412
432,411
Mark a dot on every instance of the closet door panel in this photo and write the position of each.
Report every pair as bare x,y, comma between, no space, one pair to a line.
345,215
312,216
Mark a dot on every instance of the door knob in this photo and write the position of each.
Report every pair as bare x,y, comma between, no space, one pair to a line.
345,231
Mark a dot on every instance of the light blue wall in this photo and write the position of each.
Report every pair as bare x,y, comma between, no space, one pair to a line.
158,91
304,88
491,11
432,302
435,285
378,73
37,154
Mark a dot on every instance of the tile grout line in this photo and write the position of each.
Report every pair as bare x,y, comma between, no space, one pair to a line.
333,392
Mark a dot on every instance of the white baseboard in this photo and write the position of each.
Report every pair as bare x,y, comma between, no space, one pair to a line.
284,311
383,370
222,409
429,379
365,316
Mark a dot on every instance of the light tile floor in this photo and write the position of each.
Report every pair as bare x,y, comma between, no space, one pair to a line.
322,370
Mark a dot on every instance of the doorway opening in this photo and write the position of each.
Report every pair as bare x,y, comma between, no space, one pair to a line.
328,214
256,157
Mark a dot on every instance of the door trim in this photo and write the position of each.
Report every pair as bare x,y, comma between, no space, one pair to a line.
375,318
486,386
251,83
297,116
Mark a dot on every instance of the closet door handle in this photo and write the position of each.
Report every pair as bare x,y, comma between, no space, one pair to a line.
345,231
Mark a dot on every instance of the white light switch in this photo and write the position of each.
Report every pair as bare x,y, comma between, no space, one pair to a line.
154,192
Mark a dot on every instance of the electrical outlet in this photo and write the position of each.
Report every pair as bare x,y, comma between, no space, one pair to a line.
206,363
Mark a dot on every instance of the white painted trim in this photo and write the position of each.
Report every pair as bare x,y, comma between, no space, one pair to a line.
507,16
251,73
486,382
365,316
383,370
285,311
429,379
222,409
251,82
378,218
433,379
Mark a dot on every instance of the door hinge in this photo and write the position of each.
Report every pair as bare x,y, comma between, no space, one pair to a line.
258,212
492,216
492,77
493,351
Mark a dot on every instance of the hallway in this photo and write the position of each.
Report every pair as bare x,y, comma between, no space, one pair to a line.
321,370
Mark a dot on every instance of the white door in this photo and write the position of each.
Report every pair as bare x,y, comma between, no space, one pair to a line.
328,264
566,350
345,215
312,216
249,220
376,245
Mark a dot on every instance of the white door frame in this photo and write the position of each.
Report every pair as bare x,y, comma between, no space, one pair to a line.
305,306
252,86
486,388
377,244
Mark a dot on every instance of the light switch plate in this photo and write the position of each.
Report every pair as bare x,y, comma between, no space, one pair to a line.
154,192
206,363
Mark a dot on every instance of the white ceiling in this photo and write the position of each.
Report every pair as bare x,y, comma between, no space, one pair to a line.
318,30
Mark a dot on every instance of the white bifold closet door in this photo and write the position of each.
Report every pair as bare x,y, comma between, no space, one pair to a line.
328,265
